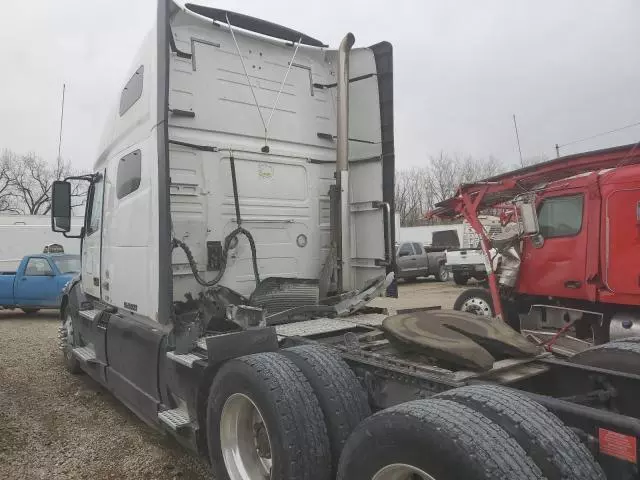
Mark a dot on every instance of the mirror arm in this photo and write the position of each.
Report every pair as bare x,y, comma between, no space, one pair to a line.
90,177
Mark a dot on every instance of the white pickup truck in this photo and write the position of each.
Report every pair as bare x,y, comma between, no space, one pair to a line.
469,261
466,264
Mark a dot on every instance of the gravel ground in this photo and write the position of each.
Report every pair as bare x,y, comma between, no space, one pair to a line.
54,425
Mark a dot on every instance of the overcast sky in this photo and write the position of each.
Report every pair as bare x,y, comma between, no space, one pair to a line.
567,69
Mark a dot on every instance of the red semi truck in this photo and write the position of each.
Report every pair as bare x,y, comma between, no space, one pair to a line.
579,268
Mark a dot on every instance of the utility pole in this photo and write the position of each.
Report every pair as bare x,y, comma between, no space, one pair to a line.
515,124
557,151
64,87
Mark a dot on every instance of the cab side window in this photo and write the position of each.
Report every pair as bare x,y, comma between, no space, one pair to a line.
561,216
129,174
38,267
95,214
417,248
405,250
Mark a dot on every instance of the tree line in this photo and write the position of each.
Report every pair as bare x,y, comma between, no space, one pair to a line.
419,189
26,180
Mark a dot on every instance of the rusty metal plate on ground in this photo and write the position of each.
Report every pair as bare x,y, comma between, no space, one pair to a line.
458,337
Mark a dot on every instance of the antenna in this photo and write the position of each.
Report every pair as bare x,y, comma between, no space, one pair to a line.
515,124
64,87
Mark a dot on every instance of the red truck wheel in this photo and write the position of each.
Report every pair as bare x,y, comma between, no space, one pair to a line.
475,300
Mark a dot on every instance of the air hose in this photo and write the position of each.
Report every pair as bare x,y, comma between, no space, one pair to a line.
240,230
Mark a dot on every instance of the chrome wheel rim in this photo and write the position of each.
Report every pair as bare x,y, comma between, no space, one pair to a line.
401,471
244,440
444,274
477,306
68,326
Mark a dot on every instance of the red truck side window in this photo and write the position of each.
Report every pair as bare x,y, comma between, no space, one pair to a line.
561,216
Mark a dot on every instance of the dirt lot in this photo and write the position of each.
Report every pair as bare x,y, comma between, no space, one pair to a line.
54,425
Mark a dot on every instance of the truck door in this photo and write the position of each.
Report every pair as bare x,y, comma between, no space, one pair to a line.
622,239
554,263
37,285
91,245
422,258
407,262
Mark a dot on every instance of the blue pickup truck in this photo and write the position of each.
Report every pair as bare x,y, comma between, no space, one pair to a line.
38,282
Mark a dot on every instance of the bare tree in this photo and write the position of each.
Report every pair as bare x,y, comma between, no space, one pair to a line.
419,189
412,195
29,180
7,199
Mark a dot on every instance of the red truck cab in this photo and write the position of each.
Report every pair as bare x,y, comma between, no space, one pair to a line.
580,265
589,239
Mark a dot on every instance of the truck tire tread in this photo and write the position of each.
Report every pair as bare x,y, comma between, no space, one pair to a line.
299,419
460,279
342,399
622,355
553,446
436,434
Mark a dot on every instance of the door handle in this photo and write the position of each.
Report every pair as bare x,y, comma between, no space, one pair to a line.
23,279
572,284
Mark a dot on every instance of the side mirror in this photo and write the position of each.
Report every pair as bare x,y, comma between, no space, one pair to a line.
403,254
537,240
529,217
61,207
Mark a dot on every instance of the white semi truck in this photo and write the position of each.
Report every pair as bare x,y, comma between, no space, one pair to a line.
239,218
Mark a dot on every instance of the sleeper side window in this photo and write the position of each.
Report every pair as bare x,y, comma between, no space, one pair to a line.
129,170
132,91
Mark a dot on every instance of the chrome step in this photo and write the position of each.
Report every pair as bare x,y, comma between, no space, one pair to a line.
187,359
86,354
90,314
175,419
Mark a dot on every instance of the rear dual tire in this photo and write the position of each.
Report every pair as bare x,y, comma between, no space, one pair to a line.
342,399
474,433
620,355
264,421
283,415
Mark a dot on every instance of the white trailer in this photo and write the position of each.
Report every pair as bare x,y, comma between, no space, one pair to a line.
22,235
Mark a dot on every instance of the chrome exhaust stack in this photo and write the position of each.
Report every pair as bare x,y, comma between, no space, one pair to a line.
345,280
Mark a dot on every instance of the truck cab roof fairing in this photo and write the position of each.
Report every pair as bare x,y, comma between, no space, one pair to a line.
253,24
